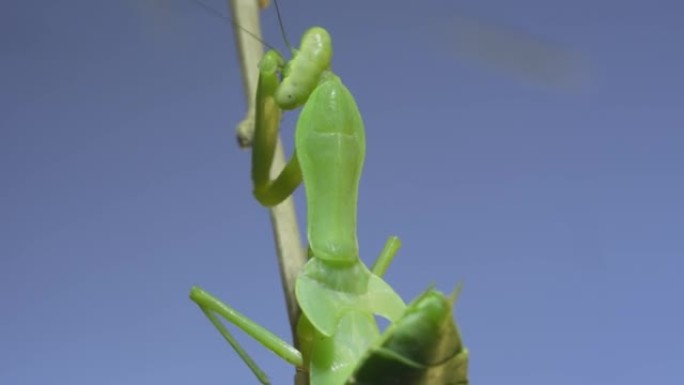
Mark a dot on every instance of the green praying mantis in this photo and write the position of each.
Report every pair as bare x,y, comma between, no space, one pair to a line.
338,337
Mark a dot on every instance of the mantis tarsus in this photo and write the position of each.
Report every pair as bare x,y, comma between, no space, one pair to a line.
338,338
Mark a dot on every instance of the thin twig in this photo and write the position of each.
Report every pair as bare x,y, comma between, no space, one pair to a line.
291,253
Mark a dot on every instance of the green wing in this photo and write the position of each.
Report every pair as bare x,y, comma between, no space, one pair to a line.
423,347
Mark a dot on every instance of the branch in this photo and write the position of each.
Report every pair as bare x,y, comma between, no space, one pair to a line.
291,253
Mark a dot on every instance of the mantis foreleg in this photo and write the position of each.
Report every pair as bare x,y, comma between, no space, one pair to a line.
270,192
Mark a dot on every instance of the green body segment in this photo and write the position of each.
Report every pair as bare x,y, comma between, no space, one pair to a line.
331,147
335,285
333,358
338,295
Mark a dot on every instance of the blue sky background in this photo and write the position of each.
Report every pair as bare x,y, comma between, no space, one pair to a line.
121,186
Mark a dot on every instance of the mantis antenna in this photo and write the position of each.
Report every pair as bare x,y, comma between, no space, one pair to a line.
282,26
220,15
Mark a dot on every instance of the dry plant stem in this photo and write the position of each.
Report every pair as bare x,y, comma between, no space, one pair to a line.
291,253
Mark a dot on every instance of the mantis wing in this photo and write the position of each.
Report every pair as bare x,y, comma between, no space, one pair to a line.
423,347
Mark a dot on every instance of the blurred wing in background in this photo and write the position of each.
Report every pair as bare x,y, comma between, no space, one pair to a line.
515,52
512,51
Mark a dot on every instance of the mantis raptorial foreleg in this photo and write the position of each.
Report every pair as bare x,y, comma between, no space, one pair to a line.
267,122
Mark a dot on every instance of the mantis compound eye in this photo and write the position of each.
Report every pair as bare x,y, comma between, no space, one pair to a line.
291,95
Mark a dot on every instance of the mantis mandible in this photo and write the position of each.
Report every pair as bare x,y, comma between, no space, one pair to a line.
338,338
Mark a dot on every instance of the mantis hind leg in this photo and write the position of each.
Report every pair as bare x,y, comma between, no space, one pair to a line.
386,256
211,306
246,358
267,123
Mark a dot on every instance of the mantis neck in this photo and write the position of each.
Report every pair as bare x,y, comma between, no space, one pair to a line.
352,278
